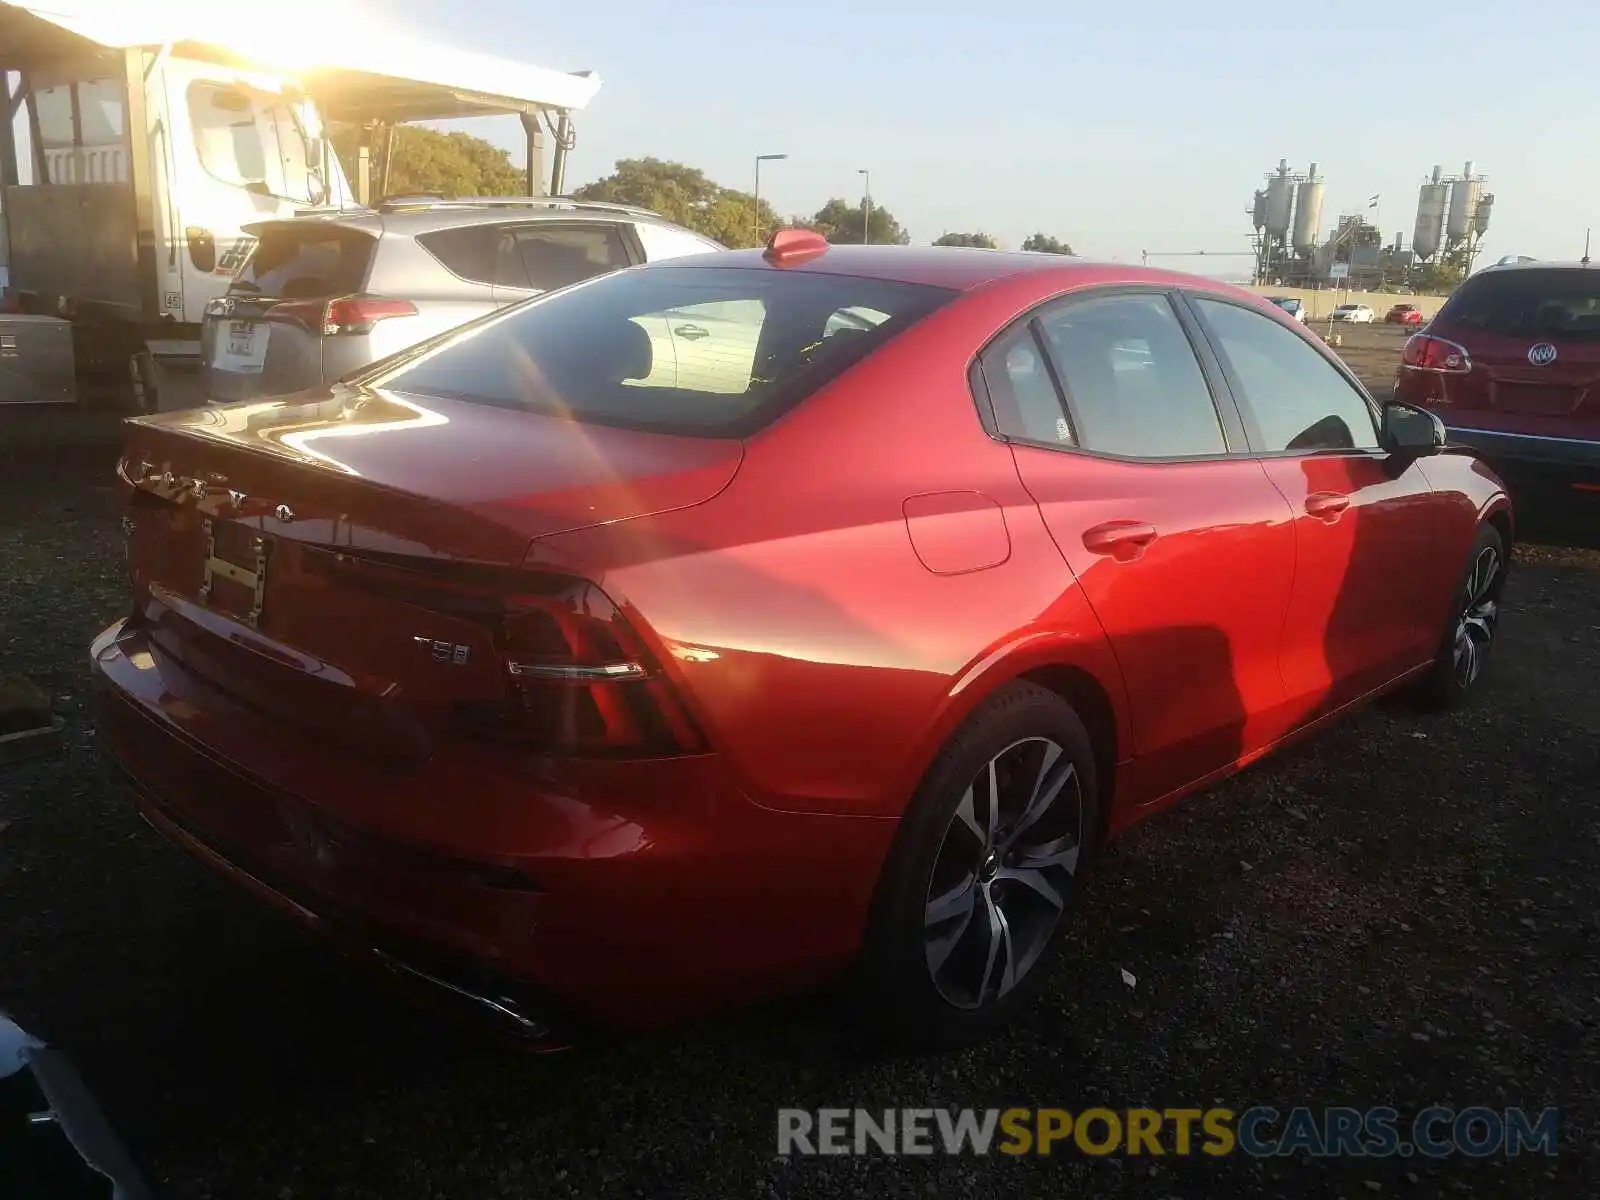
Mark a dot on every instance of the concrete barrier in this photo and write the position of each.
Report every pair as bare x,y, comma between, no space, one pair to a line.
1319,303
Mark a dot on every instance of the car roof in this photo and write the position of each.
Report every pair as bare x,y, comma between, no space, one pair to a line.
960,268
1535,265
429,216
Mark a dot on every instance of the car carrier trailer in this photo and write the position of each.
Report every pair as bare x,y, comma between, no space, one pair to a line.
138,141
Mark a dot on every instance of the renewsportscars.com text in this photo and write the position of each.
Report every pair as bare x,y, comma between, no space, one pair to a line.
1260,1131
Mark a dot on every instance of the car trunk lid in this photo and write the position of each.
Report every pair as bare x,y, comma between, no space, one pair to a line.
335,561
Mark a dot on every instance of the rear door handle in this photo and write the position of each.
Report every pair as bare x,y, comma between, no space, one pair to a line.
1326,504
1121,539
693,332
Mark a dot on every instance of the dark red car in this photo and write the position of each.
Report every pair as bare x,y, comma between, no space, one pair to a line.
1512,365
707,629
1403,314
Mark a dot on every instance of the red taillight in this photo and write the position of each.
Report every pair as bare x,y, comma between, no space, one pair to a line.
346,315
1424,352
579,680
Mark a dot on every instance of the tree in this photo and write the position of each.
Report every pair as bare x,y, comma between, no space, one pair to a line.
982,240
685,195
1043,243
429,162
842,222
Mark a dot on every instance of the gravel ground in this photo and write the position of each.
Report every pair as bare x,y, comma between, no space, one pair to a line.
1399,912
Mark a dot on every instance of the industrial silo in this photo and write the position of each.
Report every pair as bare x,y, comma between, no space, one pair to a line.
1280,201
1480,219
1429,231
1258,211
1463,205
1307,213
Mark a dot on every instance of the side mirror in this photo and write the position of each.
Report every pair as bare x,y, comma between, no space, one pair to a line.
1408,429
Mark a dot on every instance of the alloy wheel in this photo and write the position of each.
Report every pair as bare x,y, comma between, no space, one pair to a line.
1002,872
1480,611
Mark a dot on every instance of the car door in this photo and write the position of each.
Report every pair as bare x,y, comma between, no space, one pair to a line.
1364,519
1126,438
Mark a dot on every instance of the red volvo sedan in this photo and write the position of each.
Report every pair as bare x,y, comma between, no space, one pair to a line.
715,627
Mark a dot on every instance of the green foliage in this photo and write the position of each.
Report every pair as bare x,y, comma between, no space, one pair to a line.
428,161
1043,243
842,222
981,240
684,195
1435,278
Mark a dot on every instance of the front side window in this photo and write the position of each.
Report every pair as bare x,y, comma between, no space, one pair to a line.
544,257
666,241
693,350
1301,401
1133,385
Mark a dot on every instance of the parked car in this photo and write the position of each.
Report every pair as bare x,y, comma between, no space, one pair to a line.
1403,314
1358,314
570,683
321,296
1512,364
1291,305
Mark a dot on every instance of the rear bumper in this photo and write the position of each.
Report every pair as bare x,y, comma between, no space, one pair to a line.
1530,462
317,362
628,893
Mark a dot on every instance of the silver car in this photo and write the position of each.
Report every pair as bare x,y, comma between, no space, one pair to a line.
323,295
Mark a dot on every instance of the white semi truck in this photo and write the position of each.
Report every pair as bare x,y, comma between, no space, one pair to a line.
137,140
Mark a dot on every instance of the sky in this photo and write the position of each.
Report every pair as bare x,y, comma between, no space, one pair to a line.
1139,125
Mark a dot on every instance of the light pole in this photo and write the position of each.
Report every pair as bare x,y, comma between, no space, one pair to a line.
866,205
755,217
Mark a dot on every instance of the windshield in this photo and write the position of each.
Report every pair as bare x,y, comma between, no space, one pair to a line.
259,140
714,351
1529,304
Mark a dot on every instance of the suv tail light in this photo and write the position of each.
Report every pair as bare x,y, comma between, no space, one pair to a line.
579,680
346,315
1424,352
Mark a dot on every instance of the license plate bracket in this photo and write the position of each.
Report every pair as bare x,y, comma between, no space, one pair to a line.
251,576
241,347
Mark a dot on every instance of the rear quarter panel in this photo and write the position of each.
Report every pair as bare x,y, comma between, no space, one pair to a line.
1470,493
825,660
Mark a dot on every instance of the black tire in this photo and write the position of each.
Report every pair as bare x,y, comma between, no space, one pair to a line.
1475,617
898,993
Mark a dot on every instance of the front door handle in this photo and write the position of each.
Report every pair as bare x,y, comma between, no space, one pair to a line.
1327,505
693,332
1120,539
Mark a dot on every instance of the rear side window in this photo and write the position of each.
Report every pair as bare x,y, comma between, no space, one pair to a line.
1528,304
1300,401
306,263
709,351
468,251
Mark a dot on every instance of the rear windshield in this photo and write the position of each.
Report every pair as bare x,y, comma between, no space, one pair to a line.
715,351
312,263
1522,304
